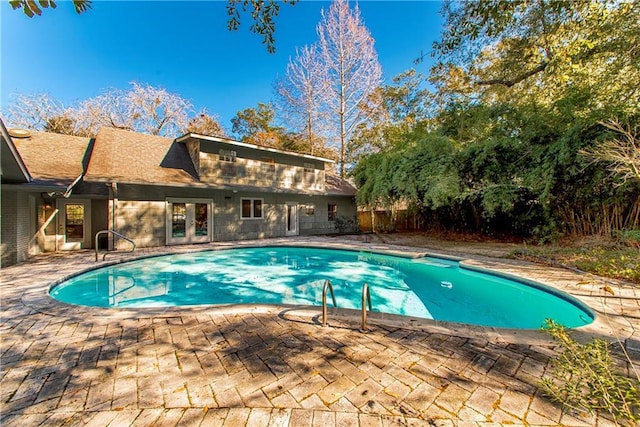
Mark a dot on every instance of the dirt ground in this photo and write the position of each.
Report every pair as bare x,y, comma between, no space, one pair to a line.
454,245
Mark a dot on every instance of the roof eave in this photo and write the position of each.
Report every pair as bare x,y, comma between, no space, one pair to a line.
188,136
200,185
24,172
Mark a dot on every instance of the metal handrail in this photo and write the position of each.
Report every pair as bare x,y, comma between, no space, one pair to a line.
366,297
327,285
115,233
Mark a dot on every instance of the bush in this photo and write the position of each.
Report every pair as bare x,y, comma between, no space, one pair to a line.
629,238
583,378
344,224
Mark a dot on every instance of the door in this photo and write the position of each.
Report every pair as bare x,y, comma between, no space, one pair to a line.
74,224
292,218
188,221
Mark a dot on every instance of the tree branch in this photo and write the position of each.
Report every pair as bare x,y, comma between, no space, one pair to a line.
518,79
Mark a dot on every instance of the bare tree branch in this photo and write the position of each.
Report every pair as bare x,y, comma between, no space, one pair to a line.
352,69
143,108
621,153
300,96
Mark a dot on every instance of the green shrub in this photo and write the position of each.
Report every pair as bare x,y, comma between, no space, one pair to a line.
629,237
584,378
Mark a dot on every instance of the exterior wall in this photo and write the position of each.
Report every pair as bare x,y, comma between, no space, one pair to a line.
142,216
16,228
257,168
228,225
319,223
142,221
99,220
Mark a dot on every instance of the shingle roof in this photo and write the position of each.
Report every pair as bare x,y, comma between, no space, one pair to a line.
336,186
124,156
53,158
135,158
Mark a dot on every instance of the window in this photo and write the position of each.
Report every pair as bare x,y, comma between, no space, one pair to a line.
227,155
74,221
309,209
309,169
251,208
309,173
333,211
228,162
268,165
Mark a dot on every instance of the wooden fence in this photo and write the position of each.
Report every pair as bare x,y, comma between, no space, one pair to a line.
370,221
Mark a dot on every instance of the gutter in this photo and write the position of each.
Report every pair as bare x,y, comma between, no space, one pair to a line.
69,189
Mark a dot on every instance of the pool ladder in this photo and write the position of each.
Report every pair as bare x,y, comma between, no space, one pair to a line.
366,300
116,234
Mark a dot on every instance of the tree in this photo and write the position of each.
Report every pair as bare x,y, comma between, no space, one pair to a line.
262,13
352,70
396,110
621,153
33,111
205,124
143,108
299,96
543,50
31,7
255,126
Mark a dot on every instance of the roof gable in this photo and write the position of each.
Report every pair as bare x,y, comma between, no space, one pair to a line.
54,158
125,156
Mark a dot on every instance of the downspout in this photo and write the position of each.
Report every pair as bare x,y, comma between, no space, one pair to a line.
114,207
69,189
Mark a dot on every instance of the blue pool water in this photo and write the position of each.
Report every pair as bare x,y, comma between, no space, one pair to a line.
430,288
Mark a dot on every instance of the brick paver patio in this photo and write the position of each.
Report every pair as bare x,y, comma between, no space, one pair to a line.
275,365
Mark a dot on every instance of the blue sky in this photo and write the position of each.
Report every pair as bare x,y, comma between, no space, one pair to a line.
185,47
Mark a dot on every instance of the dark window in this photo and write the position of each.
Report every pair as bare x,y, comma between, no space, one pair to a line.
251,208
257,208
333,212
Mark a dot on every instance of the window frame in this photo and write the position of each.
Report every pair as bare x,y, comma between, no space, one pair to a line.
309,173
332,214
309,209
228,165
227,155
252,207
268,165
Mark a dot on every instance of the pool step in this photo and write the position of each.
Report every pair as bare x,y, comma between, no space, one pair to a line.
433,263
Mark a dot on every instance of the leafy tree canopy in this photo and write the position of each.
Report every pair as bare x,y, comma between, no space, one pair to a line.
545,50
32,7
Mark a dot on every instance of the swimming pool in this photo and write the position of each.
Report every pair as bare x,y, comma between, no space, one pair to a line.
430,288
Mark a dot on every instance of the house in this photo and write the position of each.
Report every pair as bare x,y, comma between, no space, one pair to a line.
58,191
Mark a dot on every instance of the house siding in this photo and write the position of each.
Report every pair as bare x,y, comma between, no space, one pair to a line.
252,168
141,213
16,227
